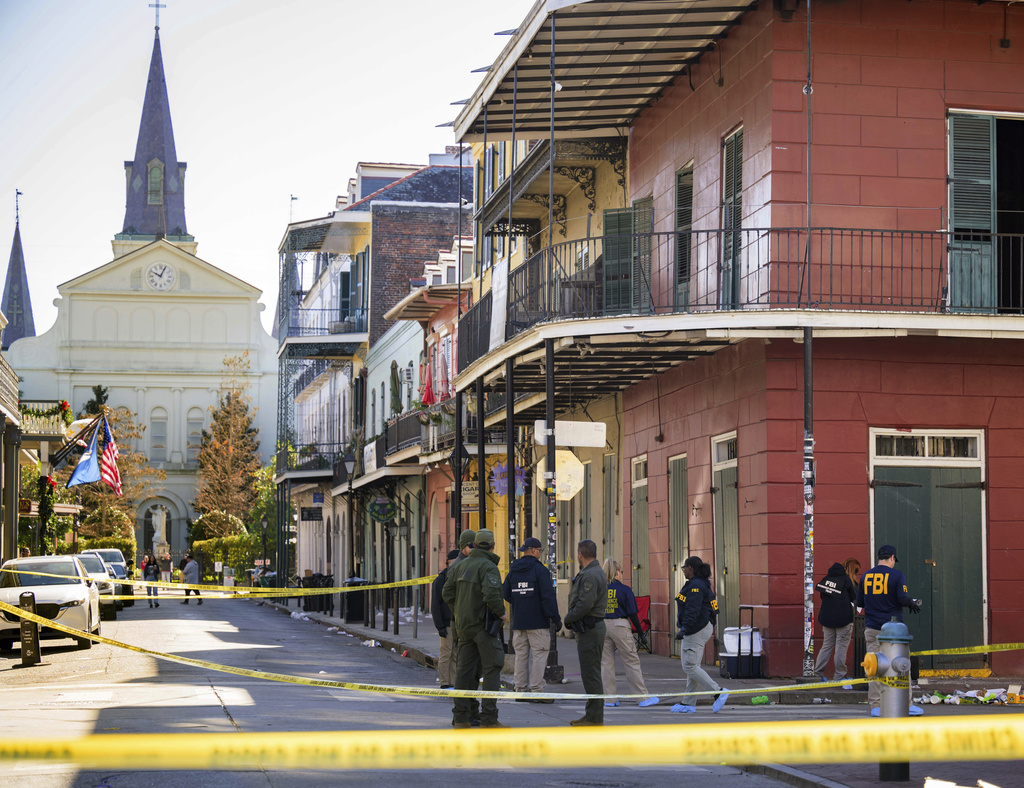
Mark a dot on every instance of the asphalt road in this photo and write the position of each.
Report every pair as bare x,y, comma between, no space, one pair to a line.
110,690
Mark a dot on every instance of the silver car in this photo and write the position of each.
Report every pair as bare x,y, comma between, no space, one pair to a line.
64,593
98,571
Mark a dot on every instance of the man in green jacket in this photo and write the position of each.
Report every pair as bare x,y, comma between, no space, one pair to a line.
588,598
473,592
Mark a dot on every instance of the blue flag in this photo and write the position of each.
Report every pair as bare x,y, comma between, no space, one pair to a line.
88,468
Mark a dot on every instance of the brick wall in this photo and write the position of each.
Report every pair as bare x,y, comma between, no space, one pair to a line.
404,237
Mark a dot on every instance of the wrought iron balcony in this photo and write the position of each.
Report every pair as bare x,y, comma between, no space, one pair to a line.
8,387
406,431
298,322
309,457
757,269
475,331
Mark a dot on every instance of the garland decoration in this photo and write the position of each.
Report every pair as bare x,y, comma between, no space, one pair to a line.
62,409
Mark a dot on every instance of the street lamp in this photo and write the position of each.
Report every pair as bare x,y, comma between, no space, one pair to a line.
350,468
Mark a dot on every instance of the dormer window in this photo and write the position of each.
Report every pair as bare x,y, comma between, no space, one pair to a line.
156,185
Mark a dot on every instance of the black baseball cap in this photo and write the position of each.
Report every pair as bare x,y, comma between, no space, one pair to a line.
530,542
453,554
887,550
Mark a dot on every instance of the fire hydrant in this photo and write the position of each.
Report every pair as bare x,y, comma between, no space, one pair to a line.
893,662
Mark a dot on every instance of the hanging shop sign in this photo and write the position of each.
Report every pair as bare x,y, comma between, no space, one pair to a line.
499,480
311,513
382,509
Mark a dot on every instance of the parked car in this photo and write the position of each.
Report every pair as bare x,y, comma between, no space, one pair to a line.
111,555
123,588
64,593
98,571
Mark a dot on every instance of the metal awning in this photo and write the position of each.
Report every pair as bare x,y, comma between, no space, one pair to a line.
423,302
612,59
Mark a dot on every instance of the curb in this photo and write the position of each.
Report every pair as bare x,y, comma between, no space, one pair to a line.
791,776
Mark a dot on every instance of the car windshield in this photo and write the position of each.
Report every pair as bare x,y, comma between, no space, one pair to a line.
43,573
118,570
110,556
92,563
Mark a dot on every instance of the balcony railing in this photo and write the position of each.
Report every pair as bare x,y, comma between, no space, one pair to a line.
310,372
309,457
776,268
405,431
299,322
33,422
8,387
475,331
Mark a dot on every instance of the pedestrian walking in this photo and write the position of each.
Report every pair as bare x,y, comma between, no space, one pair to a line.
151,574
883,595
190,576
697,612
588,597
473,592
619,611
531,594
442,615
838,593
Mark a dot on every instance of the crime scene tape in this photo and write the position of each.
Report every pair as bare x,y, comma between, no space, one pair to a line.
970,649
243,591
971,738
384,688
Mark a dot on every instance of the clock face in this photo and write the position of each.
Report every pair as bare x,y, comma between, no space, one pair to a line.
160,276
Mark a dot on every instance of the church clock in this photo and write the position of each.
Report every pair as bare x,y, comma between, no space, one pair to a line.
160,276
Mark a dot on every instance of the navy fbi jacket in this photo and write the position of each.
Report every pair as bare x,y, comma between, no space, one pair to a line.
529,589
882,594
696,606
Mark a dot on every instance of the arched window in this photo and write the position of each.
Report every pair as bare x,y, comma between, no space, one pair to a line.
158,435
194,437
156,185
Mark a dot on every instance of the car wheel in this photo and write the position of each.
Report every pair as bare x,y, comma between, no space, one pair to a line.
6,645
84,643
118,605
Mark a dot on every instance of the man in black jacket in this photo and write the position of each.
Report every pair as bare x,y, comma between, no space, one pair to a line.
837,594
531,594
442,615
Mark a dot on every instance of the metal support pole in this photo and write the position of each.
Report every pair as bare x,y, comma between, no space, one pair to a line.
808,464
415,611
510,458
11,492
481,465
456,512
553,672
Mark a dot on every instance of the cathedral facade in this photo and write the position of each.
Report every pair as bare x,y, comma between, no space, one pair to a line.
154,326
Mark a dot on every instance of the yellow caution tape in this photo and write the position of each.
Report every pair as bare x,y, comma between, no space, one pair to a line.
388,689
970,649
244,591
970,738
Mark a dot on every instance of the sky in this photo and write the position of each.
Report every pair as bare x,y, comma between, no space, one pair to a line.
269,99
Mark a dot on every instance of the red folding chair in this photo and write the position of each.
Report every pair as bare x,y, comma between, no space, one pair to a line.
643,604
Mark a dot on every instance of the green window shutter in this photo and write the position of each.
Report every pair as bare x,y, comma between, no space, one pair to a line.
684,224
643,228
732,219
972,213
618,259
972,187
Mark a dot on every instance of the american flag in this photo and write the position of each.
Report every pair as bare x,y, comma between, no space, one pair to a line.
108,462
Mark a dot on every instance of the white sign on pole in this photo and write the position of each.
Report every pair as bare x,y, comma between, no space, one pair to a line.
217,566
573,433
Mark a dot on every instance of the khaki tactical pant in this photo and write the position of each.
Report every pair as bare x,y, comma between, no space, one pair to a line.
531,647
835,640
446,660
619,637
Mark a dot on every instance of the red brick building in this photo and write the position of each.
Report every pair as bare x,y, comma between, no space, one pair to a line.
900,255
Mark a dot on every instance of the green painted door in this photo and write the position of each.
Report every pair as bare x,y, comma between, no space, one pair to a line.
639,535
727,548
678,544
932,516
